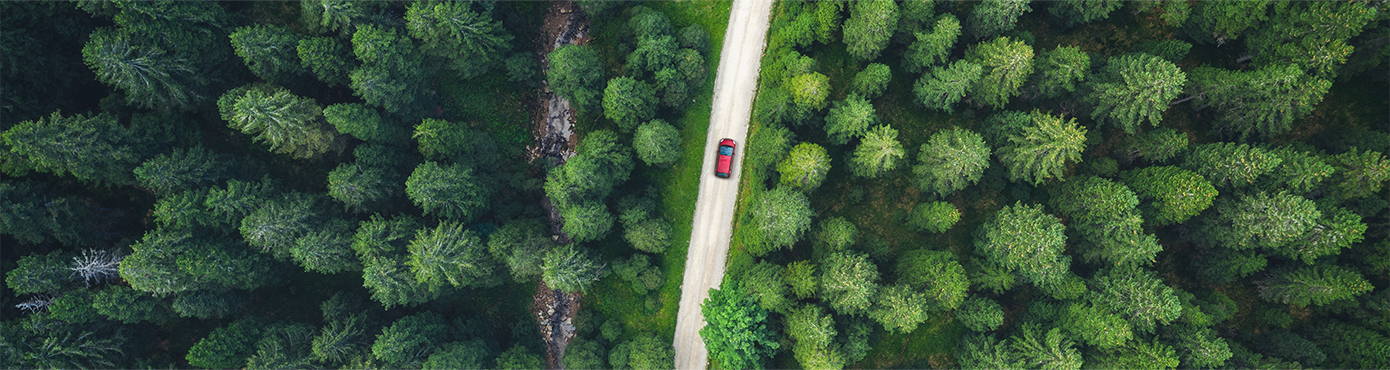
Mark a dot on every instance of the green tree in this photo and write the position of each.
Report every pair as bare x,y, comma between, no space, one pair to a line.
736,331
835,234
937,274
1351,346
916,16
805,168
1229,164
40,273
342,16
1290,346
341,339
577,75
456,192
982,351
238,199
1299,170
393,74
871,81
870,25
284,346
643,352
1104,214
1137,295
364,123
993,17
570,269
392,283
519,358
849,282
899,308
166,262
1075,12
1311,35
227,347
849,119
328,58
585,354
1197,346
1048,351
945,86
1006,65
451,253
411,340
470,354
361,187
1095,326
950,161
657,143
277,223
629,102
801,277
204,304
643,225
151,76
1024,239
120,303
1316,285
1060,71
1133,88
1157,146
471,43
1260,220
270,52
765,283
586,220
94,149
980,314
290,124
878,153
814,332
1040,151
521,244
1169,195
929,49
1137,354
1268,100
194,168
1220,22
809,90
1360,173
780,215
933,217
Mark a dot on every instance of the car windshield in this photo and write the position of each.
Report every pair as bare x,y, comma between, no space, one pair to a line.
726,150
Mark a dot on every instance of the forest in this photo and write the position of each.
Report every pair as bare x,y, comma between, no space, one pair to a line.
926,184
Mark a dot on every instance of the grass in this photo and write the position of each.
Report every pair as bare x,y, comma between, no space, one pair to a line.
613,297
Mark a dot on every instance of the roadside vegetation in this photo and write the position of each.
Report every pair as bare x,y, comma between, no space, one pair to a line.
1006,184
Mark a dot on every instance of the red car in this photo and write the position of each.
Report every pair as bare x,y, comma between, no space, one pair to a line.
726,158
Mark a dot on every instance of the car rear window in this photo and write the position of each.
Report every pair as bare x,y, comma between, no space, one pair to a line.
726,150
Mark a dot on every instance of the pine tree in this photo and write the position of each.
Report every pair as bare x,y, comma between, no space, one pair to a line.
993,17
945,86
1006,66
736,332
456,192
849,119
1316,285
1060,71
849,282
950,161
469,42
781,216
1137,295
1024,239
878,154
870,25
1267,100
930,49
451,254
270,52
1040,151
1134,88
94,149
289,123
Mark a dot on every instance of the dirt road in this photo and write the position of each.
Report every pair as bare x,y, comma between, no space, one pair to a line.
734,87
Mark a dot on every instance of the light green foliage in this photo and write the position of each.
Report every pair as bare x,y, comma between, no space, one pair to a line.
1136,354
586,220
877,154
657,143
341,339
471,354
871,81
520,244
364,123
1360,173
290,124
1231,165
73,307
1137,295
933,217
640,273
269,51
1095,326
736,331
1222,21
930,49
1133,89
937,274
801,277
120,303
781,215
944,86
227,347
899,308
1261,220
328,58
1104,214
814,332
1024,239
585,354
765,283
1060,71
469,42
411,340
361,187
809,90
94,149
1157,146
1316,285
1300,171
849,282
849,119
993,17
576,74
827,18
327,250
871,23
1006,65
982,351
1169,195
340,16
600,164
915,16
1311,35
519,358
451,254
570,269
835,234
629,102
643,225
1268,100
950,161
805,167
1197,346
1040,151
980,314
1076,12
1052,350
183,210
456,192
643,352
284,346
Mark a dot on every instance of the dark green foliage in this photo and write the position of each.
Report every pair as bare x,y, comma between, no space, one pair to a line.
1350,346
228,347
194,168
1104,214
1316,285
579,186
238,199
1360,173
1267,101
120,303
1024,239
290,124
451,254
982,351
328,58
871,81
570,269
94,149
284,346
1132,89
814,332
849,282
1219,22
1197,346
40,273
341,16
937,274
1076,12
849,119
1052,350
73,306
1005,65
1290,346
1060,71
899,308
204,304
278,222
871,23
1156,146
341,339
440,139
1299,171
456,192
694,37
1312,36
767,286
576,74
184,210
657,143
362,187
827,20
989,275
1169,49
916,16
933,217
1169,195
640,273
801,277
736,331
519,358
162,55
1262,220
993,17
1040,151
781,215
835,234
1223,265
1137,295
1095,326
585,354
980,314
1136,354
629,102
270,52
472,354
469,42
364,123
930,49
167,262
950,161
408,342
522,68
520,244
393,74
643,352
